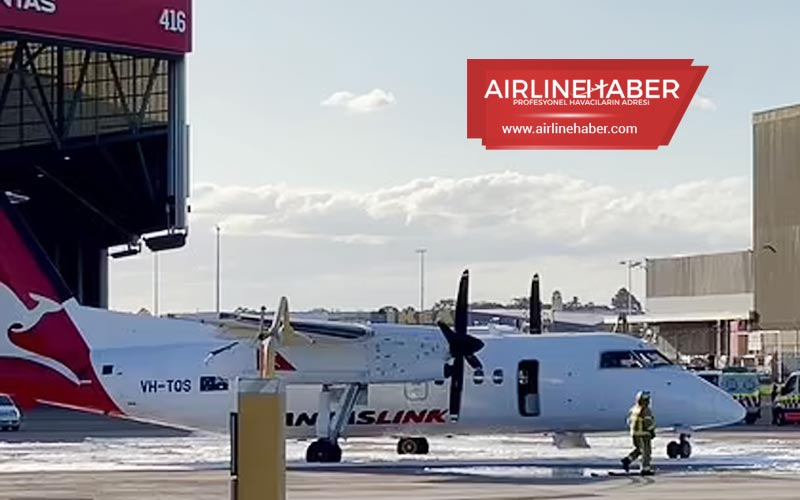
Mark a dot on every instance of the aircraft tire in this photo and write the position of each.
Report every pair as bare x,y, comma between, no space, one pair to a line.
407,446
424,448
412,446
323,451
750,418
685,449
673,449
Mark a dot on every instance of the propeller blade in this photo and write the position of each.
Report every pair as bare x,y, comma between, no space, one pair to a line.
474,362
460,344
535,305
456,388
462,303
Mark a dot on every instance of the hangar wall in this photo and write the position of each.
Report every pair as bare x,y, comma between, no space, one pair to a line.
776,216
700,283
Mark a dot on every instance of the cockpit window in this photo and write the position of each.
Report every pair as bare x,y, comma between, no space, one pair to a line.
710,377
619,359
653,358
648,358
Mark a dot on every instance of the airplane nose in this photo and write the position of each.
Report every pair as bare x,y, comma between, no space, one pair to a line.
727,411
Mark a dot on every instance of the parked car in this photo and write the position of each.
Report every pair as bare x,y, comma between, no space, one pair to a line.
10,416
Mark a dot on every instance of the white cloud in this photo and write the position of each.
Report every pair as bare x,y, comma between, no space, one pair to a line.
355,249
548,213
375,100
703,103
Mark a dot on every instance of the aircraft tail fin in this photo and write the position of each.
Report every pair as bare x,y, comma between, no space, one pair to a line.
43,353
25,268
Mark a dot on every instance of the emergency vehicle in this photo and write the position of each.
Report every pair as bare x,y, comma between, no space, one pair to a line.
786,406
742,385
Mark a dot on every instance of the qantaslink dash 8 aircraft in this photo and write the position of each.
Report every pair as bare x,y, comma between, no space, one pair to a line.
343,379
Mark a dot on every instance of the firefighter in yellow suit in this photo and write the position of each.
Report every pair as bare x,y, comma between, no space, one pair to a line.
642,424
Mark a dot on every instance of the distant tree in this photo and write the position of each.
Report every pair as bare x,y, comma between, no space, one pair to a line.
391,313
573,305
445,315
520,303
620,301
486,305
444,304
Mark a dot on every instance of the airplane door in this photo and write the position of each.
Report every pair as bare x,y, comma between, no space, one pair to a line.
528,388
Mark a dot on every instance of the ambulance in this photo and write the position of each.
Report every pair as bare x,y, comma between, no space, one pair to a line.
786,406
740,383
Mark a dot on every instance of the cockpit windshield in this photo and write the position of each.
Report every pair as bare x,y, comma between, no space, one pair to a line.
645,358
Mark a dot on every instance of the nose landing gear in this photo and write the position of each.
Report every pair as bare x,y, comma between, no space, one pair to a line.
681,448
412,446
324,451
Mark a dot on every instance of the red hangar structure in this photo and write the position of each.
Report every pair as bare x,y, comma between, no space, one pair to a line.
93,133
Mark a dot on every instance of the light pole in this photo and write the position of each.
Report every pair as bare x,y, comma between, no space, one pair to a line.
421,252
155,283
630,264
217,287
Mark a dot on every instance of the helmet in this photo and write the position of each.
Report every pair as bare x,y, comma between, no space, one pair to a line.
643,397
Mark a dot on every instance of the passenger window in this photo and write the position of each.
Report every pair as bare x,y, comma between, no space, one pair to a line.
416,391
108,369
497,377
213,384
477,377
619,359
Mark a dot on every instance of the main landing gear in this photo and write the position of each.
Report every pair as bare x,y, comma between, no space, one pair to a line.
681,448
326,448
412,446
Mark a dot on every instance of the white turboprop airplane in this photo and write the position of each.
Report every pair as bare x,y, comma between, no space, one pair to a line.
343,379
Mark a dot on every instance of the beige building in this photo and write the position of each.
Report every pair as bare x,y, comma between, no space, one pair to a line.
699,304
776,217
776,232
741,304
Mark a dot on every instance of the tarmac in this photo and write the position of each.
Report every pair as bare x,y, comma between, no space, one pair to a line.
539,479
47,425
208,485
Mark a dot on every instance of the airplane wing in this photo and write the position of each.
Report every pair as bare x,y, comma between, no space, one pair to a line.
246,325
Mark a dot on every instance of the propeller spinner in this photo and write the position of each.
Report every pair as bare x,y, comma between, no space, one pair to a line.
463,347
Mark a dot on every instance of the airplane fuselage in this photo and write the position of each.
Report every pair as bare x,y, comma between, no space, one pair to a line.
528,384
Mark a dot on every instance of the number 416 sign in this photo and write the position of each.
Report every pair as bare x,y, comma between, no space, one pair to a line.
173,21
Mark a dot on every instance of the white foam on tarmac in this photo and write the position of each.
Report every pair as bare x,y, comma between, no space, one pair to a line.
507,455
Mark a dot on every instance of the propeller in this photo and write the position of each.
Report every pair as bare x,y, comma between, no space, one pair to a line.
279,333
535,304
463,347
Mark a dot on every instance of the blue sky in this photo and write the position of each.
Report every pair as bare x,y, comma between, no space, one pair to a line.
264,144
